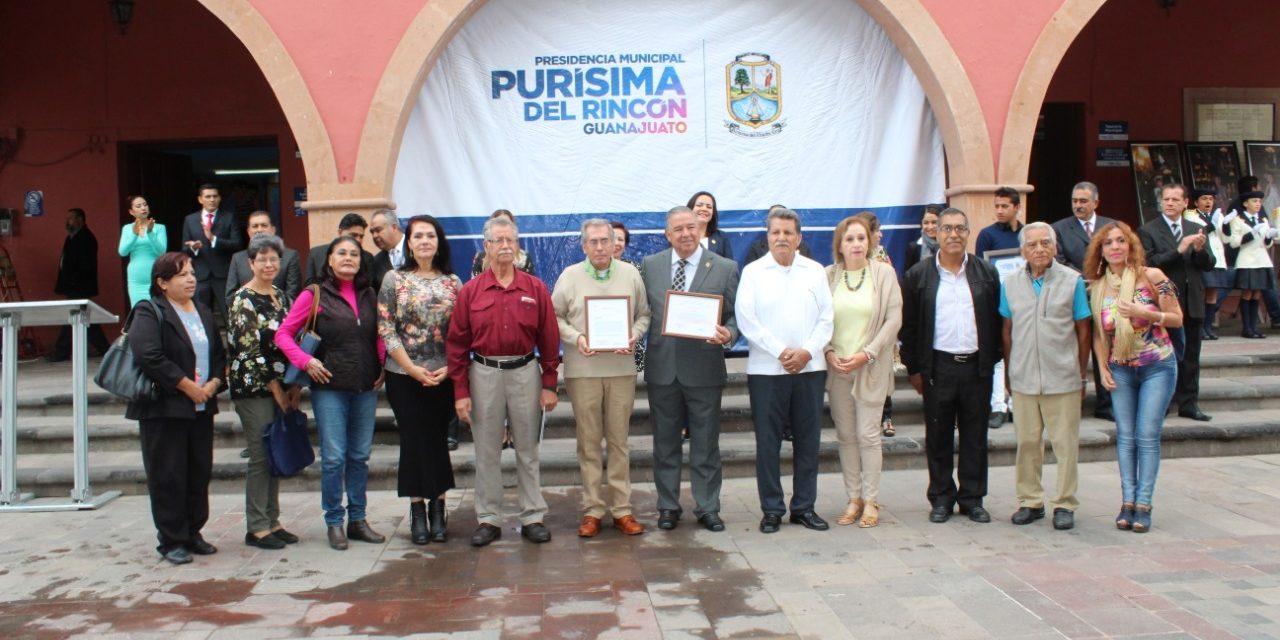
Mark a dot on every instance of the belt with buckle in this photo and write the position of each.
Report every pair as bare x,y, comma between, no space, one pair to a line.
503,364
963,358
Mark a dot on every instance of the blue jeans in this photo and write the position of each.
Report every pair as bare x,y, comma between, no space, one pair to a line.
1140,401
345,422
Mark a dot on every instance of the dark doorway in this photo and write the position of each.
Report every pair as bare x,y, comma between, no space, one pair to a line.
1057,160
246,171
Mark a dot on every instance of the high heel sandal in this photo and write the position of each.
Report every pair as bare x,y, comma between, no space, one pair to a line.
1124,521
851,512
870,515
1141,518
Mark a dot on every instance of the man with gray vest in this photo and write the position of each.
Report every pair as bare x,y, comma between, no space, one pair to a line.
1046,345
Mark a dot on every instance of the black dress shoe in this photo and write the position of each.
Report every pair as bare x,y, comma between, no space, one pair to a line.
337,539
360,530
1027,515
810,520
451,435
1063,519
535,532
285,536
668,519
178,555
266,542
1194,414
770,523
976,513
711,521
485,534
1105,414
788,435
995,420
201,548
940,513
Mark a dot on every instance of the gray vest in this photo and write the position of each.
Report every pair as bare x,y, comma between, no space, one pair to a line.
1043,359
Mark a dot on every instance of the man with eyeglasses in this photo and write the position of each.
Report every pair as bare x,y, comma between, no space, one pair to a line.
503,352
1074,234
287,280
950,343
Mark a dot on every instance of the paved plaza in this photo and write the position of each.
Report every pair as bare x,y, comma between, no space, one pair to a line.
1210,568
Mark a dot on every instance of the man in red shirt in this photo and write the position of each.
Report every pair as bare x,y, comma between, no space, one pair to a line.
498,320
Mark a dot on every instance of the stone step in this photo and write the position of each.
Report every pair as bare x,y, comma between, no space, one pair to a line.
52,434
1238,432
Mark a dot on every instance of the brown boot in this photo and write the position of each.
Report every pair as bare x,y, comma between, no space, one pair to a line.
360,530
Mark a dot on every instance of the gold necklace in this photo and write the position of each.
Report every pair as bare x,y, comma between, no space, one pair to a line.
861,279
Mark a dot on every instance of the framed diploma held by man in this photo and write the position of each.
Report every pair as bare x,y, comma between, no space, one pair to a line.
608,322
692,315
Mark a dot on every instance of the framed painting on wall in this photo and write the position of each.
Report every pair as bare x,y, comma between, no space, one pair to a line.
1263,160
1216,166
1154,165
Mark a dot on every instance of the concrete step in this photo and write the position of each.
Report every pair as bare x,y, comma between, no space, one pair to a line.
1239,432
52,434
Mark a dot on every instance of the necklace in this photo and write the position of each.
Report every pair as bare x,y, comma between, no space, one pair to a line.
861,280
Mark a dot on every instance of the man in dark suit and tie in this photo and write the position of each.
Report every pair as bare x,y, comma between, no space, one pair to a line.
384,227
1176,246
1074,234
211,236
686,376
77,279
289,279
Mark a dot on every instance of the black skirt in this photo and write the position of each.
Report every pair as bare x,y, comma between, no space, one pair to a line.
1258,279
422,415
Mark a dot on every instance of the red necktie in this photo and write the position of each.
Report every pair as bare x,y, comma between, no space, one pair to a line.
208,220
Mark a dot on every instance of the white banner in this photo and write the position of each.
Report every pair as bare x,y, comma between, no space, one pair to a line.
564,109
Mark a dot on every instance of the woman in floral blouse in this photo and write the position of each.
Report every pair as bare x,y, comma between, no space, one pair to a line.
257,369
414,306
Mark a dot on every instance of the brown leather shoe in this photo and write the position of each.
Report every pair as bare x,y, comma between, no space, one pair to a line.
628,525
589,528
360,530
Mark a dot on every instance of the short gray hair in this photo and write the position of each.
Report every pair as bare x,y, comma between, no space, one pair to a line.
390,214
499,221
1087,186
676,210
1022,233
782,213
952,211
264,241
596,222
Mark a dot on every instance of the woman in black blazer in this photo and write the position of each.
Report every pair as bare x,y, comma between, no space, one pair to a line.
179,349
704,208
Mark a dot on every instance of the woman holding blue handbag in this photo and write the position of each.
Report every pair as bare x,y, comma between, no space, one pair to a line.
257,365
345,372
175,342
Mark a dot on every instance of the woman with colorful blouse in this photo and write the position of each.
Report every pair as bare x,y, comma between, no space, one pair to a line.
414,307
257,388
1133,308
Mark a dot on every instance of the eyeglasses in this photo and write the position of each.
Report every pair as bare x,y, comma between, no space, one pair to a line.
266,261
948,229
502,241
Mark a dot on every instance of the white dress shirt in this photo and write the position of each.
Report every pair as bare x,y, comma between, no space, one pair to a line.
955,326
396,256
689,269
1090,226
784,307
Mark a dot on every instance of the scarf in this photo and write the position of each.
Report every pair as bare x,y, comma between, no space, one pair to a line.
1123,344
928,247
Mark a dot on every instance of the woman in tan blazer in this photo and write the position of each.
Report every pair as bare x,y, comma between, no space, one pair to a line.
868,313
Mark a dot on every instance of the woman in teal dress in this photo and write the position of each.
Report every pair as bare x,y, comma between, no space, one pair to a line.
141,241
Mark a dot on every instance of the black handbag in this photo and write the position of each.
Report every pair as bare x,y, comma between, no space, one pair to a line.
287,443
307,340
120,374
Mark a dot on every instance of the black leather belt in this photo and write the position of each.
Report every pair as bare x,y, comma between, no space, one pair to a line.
503,364
963,358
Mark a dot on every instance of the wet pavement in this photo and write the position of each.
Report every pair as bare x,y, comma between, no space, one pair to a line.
1210,568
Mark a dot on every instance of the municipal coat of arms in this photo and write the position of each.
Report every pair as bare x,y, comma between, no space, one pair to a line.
753,89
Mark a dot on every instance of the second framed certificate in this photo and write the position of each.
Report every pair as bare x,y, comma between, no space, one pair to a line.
692,315
608,322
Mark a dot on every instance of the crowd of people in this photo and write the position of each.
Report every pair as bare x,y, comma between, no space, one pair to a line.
978,343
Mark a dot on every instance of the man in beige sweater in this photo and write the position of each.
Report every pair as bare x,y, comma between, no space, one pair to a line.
601,381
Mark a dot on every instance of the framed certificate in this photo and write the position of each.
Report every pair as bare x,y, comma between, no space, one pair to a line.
692,315
608,322
1006,261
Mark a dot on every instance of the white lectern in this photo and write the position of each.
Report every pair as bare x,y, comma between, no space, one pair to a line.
79,314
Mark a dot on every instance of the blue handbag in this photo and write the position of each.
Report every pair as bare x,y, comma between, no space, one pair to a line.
307,340
288,444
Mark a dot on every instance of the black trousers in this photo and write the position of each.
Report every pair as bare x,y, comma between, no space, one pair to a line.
422,415
774,401
97,340
177,455
212,292
1186,395
956,398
